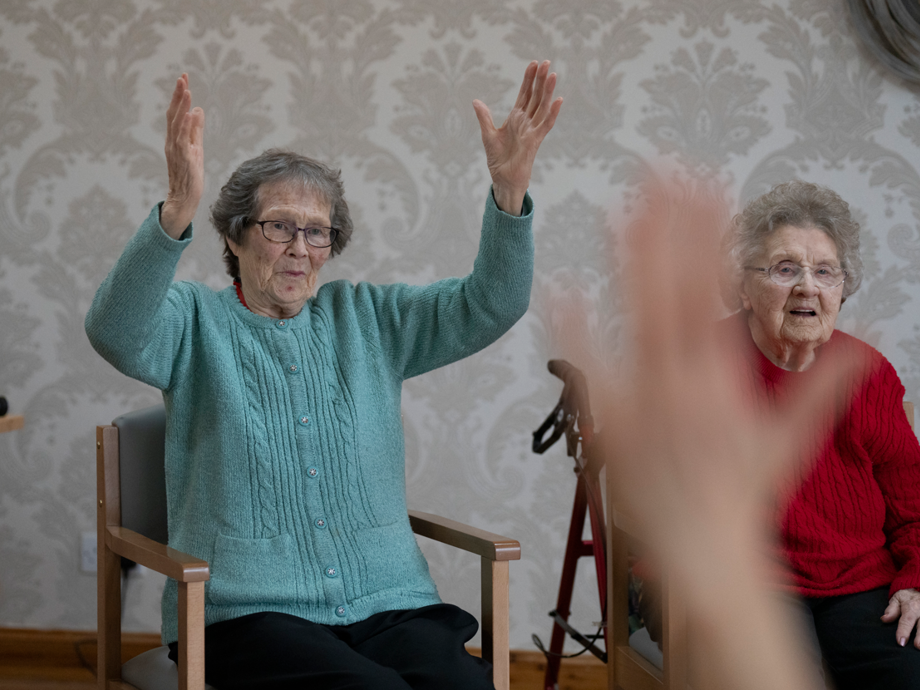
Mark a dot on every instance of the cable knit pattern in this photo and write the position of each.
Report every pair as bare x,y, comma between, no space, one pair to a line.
284,444
854,522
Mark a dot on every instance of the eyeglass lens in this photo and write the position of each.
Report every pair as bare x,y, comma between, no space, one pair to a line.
283,231
787,273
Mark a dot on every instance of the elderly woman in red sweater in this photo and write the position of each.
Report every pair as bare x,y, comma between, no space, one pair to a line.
850,530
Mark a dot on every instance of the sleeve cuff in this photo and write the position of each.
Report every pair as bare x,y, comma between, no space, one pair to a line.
186,235
526,207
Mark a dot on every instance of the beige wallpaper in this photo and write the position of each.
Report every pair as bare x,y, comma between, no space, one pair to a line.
745,93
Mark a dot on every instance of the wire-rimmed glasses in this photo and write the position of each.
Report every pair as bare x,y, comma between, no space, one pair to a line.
283,232
789,273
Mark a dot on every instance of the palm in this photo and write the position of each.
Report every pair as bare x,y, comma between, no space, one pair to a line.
512,148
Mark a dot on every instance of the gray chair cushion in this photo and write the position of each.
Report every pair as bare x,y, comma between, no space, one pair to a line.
141,439
153,670
642,643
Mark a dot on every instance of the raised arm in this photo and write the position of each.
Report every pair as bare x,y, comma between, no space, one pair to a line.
133,321
512,148
184,160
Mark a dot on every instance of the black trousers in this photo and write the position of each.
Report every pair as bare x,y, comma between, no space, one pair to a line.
422,649
858,648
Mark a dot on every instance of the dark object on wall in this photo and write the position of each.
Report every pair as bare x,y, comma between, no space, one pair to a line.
891,31
4,407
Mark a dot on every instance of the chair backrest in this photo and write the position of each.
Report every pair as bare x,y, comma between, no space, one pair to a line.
141,443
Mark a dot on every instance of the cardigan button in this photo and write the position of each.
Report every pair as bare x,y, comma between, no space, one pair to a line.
340,611
304,420
282,324
320,523
331,571
293,368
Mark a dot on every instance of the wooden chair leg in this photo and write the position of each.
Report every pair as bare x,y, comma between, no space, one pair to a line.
191,636
109,612
108,565
495,621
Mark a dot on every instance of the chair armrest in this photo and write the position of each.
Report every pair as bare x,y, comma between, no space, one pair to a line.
490,546
156,556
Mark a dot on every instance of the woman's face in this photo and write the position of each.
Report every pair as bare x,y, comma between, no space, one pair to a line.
801,316
278,279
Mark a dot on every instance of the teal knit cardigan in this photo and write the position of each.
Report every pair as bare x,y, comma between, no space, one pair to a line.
284,442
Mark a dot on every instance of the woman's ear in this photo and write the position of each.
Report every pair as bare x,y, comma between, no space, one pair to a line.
233,247
744,295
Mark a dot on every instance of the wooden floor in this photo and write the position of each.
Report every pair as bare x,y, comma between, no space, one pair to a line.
581,676
66,660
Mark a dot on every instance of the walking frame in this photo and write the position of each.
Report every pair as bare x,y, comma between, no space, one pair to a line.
572,417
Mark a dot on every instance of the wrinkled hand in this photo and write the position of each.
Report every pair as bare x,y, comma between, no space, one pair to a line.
904,607
184,160
512,148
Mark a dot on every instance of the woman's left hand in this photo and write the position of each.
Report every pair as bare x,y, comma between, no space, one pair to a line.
904,607
512,148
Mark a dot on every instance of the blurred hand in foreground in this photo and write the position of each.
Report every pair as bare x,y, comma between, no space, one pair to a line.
690,459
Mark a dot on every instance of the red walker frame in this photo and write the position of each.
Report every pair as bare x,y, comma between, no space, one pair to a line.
572,417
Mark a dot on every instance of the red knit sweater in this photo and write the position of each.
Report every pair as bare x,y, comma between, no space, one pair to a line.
854,523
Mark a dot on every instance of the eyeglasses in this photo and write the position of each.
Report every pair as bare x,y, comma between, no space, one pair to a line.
282,232
788,274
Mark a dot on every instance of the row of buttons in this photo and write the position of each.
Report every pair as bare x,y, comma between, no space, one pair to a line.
331,571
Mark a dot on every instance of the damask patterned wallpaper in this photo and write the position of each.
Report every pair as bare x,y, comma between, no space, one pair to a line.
743,93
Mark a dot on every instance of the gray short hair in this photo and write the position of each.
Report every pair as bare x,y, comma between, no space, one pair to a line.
800,205
238,202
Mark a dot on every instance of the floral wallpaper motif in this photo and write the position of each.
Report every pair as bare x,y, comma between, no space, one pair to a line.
737,92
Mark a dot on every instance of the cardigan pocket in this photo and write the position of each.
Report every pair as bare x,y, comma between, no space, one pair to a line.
393,560
253,571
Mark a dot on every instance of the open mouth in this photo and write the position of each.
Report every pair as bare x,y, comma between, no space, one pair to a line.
803,312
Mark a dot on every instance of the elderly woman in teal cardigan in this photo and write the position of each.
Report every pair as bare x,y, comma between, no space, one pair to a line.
284,443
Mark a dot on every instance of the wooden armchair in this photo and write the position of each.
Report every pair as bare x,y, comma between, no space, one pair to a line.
131,523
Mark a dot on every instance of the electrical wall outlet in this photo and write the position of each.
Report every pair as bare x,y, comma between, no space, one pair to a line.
88,552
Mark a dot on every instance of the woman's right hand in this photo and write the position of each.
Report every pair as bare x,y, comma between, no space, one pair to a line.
184,160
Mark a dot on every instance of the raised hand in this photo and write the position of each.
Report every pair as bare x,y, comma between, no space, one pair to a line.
692,459
184,160
512,148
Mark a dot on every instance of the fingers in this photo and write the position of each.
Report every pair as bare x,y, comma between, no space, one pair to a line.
197,126
905,628
671,279
550,119
907,602
892,611
542,108
537,96
484,115
526,91
179,103
184,124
